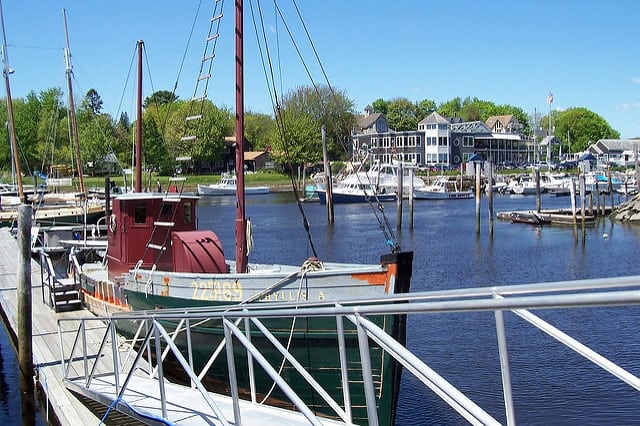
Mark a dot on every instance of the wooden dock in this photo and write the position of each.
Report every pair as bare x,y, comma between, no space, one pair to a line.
64,405
561,217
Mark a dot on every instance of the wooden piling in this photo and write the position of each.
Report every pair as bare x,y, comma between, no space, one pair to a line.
25,348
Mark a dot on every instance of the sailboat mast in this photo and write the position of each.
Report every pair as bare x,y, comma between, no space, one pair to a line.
139,122
72,109
241,222
10,117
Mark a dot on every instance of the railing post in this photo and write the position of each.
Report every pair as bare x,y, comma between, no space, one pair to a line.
367,374
504,366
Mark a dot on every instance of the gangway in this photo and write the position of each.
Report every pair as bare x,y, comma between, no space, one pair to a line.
145,393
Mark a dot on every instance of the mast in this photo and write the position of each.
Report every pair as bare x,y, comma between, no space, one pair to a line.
241,222
72,108
10,118
138,187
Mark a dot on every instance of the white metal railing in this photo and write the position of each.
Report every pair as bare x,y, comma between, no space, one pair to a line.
519,299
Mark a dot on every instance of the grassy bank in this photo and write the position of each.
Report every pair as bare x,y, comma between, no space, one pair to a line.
277,181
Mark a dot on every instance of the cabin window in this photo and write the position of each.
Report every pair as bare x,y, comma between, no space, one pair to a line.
186,213
167,210
140,214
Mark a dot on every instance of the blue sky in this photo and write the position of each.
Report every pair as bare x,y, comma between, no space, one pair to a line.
584,52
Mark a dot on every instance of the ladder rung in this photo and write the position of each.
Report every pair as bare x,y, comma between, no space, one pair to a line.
156,246
204,77
177,179
172,199
217,17
194,117
167,224
213,37
199,98
208,58
188,138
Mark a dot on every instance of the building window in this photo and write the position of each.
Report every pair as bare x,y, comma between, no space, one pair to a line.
467,141
456,141
399,141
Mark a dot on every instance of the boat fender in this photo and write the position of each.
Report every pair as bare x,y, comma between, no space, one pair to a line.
112,223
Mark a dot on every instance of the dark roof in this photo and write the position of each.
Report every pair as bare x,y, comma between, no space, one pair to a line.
434,118
470,127
366,121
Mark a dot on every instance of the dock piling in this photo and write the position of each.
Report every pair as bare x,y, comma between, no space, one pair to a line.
25,348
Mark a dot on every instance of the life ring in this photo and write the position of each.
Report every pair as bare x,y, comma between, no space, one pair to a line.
112,223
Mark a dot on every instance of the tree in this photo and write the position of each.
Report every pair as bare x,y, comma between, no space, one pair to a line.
92,102
579,127
302,114
450,108
380,105
160,97
259,129
402,114
424,108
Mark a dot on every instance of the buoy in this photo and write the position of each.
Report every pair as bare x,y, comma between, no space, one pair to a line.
605,236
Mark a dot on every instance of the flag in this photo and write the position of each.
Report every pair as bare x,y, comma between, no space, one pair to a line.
550,98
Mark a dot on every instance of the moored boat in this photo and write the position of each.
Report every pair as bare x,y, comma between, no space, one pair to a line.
442,189
228,185
157,258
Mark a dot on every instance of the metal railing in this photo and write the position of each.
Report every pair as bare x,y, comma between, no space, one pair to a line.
152,335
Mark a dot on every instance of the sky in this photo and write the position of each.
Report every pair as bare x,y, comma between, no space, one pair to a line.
514,53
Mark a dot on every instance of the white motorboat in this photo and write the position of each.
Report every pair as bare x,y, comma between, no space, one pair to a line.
442,189
228,186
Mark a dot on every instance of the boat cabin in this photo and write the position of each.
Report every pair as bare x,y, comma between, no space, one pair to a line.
158,231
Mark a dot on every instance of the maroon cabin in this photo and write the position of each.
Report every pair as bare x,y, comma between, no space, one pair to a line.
160,229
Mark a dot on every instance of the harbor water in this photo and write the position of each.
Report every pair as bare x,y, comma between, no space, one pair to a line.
551,384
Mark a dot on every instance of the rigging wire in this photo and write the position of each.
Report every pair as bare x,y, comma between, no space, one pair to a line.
280,116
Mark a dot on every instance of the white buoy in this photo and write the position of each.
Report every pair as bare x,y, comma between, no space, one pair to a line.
605,236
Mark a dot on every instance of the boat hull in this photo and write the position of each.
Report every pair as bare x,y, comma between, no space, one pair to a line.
215,189
354,197
312,341
432,195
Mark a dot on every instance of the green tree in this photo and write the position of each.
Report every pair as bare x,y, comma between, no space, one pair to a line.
92,102
259,129
314,107
380,105
579,126
161,97
424,108
402,114
450,108
209,131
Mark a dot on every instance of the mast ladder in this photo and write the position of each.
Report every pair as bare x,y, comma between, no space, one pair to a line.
204,74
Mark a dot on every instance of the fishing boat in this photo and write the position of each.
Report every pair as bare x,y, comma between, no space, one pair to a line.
157,258
442,189
228,185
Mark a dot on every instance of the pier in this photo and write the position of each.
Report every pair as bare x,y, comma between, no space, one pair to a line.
84,369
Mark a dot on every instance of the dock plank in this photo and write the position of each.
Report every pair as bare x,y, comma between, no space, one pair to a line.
68,409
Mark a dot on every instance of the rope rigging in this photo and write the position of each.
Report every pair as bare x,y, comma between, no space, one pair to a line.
280,116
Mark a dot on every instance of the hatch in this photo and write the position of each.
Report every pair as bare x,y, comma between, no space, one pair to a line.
198,251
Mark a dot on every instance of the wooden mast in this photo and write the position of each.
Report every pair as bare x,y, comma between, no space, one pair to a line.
138,156
241,222
72,108
10,117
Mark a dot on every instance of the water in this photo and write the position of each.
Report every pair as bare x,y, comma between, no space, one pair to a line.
551,385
